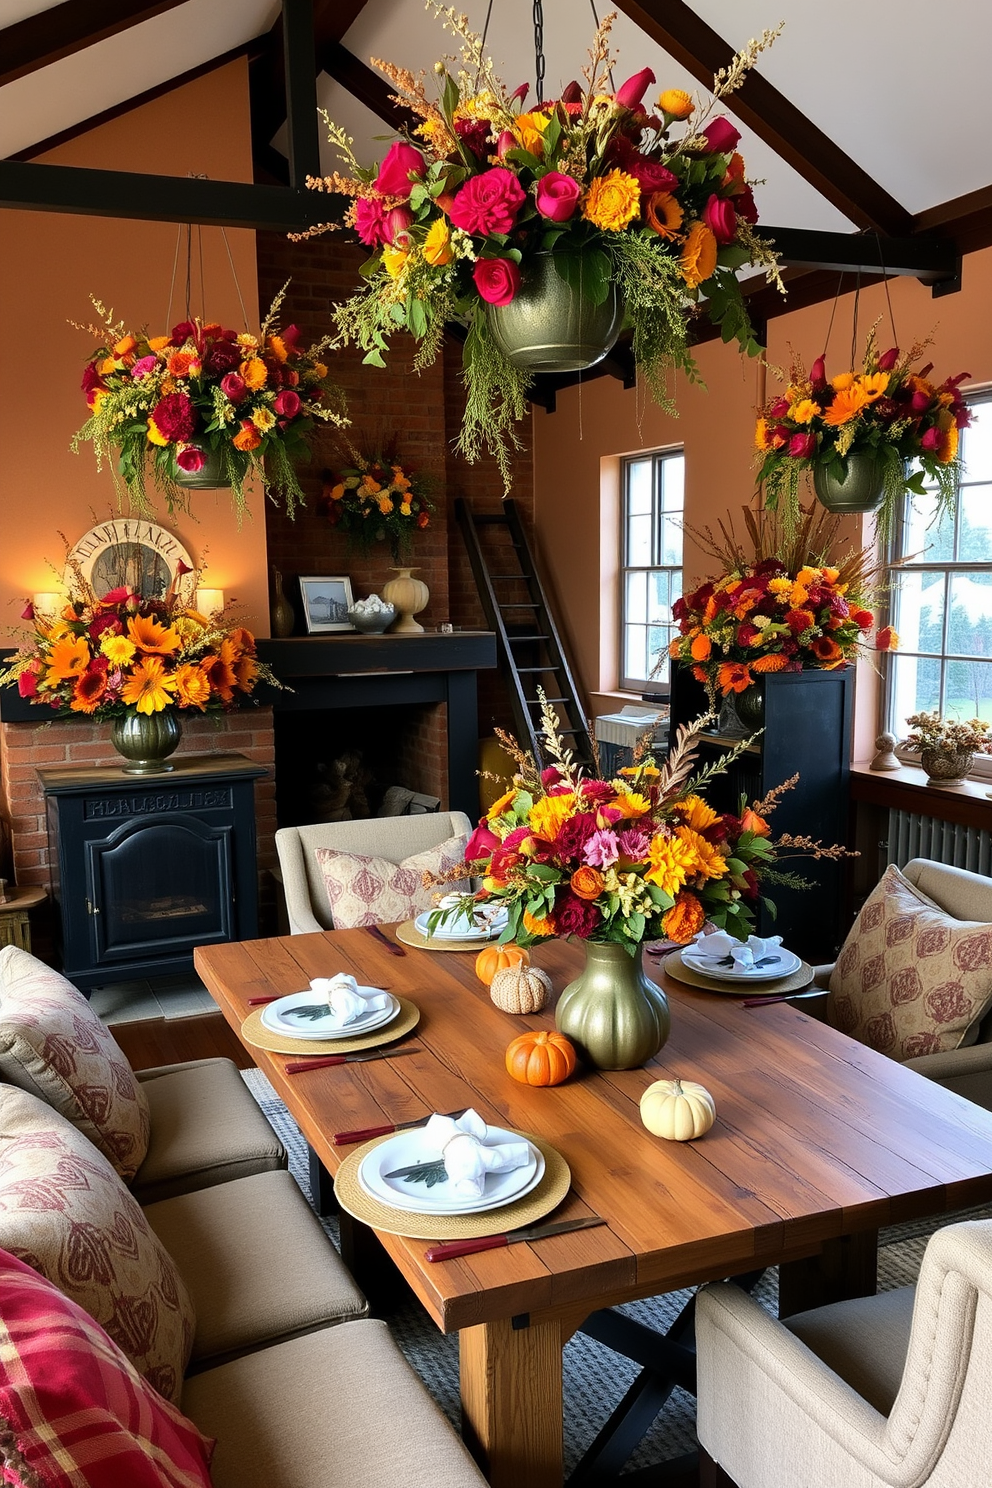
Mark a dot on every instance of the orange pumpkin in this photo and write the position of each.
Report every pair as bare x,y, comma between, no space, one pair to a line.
540,1058
497,958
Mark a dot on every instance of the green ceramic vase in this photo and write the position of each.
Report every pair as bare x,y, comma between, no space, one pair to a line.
858,490
212,476
614,1015
750,707
550,327
146,740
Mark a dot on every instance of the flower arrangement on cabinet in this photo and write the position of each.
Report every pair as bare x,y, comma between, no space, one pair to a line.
885,408
656,204
639,857
104,655
168,404
781,606
374,497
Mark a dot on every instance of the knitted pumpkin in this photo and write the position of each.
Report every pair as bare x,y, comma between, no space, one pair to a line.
520,989
497,958
540,1058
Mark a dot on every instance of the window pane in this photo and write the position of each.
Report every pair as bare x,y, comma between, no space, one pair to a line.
968,690
672,483
636,610
635,659
915,687
918,610
969,626
658,637
659,603
976,442
639,491
639,541
923,539
671,541
975,525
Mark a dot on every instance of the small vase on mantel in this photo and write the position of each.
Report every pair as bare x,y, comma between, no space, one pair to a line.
281,614
409,596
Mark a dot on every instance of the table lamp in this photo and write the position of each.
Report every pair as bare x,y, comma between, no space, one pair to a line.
209,602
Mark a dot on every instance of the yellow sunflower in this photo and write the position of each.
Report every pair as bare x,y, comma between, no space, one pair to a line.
709,863
151,637
672,862
149,688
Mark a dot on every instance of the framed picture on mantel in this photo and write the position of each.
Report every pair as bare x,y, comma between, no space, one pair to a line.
326,602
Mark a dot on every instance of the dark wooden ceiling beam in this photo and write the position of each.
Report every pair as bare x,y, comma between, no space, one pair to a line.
965,220
52,34
925,258
700,49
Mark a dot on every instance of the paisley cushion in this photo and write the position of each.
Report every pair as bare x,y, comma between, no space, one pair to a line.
910,978
375,891
53,1044
65,1212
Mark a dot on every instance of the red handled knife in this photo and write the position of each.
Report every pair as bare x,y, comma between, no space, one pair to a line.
450,1249
342,1139
326,1061
391,946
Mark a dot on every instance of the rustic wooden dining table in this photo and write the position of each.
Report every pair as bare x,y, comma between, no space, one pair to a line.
818,1142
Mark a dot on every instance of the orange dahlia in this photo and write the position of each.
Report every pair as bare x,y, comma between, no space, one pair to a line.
734,676
685,918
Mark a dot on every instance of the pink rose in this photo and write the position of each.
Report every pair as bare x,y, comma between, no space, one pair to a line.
919,403
801,446
557,196
720,218
888,359
397,225
630,94
779,408
191,458
930,440
370,221
287,404
721,136
481,844
402,161
233,386
144,366
488,203
496,279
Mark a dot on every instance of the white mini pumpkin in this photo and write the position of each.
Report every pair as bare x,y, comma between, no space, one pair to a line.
678,1110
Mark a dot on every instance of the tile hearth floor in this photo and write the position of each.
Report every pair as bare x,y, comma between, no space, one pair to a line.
152,997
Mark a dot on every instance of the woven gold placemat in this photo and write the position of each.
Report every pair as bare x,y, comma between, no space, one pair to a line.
411,936
797,982
253,1031
533,1206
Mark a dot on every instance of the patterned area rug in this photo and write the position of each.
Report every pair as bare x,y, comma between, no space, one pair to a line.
595,1378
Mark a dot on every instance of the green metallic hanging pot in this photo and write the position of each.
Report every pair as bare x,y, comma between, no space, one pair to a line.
212,476
549,326
614,1015
146,740
859,489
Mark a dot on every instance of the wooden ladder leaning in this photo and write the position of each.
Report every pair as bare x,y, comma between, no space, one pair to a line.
528,644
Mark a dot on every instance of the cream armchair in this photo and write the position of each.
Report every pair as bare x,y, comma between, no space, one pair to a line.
391,837
966,896
873,1393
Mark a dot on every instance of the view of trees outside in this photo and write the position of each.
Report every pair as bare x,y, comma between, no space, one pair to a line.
941,599
653,493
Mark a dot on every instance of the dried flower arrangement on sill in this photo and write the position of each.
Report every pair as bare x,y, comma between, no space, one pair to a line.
947,745
858,432
373,497
780,605
536,227
205,406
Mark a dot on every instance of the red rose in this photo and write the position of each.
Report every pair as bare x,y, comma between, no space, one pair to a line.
744,204
886,639
496,279
801,446
631,93
557,196
233,386
474,135
92,382
720,218
183,332
107,621
650,175
191,459
488,203
175,417
397,224
222,357
27,684
721,136
402,161
481,844
287,404
575,916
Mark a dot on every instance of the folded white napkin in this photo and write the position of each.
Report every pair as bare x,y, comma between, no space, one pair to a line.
460,1142
478,916
344,999
719,945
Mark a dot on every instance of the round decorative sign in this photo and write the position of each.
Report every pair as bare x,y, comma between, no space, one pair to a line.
128,550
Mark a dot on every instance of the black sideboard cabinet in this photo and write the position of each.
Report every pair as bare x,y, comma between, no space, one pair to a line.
807,731
145,868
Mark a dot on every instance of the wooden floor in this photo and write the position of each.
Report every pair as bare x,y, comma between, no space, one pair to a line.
148,1042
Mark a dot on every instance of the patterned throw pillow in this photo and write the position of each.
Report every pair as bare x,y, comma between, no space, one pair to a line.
374,891
53,1044
65,1212
911,979
73,1412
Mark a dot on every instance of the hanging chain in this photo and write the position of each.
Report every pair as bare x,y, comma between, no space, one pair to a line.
482,44
539,51
885,286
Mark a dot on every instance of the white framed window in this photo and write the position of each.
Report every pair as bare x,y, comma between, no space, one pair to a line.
940,594
652,497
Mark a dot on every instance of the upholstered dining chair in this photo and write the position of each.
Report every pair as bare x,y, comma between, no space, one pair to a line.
891,1391
390,839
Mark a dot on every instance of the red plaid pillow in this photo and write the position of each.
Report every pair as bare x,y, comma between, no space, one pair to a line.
74,1413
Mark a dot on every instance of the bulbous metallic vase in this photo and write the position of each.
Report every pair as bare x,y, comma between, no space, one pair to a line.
146,740
550,327
860,490
614,1015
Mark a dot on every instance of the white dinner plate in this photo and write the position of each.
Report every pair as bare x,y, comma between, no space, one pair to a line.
779,963
406,1148
447,932
276,1017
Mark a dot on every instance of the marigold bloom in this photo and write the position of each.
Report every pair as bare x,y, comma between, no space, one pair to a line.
685,919
709,861
535,926
547,815
847,404
183,364
761,441
118,650
69,657
192,687
663,214
948,446
804,411
277,348
152,637
612,201
695,813
672,861
826,649
263,418
701,648
676,103
394,261
772,661
698,259
247,437
733,676
437,247
842,381
255,373
149,688
587,882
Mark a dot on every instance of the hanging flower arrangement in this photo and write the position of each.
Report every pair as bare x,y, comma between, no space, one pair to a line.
783,606
170,404
373,497
885,411
467,212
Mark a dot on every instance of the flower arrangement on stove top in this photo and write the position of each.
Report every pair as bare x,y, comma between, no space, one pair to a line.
170,404
103,655
639,857
374,497
780,607
650,199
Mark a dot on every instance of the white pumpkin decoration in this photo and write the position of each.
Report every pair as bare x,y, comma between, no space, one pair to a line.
678,1110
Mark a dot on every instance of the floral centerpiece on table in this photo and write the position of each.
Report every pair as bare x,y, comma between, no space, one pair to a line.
885,409
374,497
172,403
653,200
781,606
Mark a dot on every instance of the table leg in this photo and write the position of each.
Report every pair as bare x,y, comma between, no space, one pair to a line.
845,1267
512,1401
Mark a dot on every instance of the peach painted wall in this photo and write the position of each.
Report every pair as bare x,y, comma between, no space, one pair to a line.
577,453
51,264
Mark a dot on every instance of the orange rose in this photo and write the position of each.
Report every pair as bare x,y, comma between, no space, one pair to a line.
685,918
752,822
587,883
701,648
